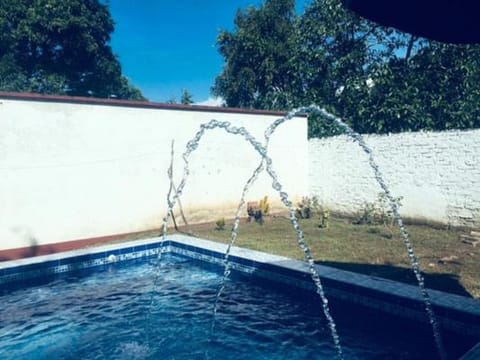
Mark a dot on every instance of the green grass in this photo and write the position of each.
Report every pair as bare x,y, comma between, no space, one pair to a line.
366,249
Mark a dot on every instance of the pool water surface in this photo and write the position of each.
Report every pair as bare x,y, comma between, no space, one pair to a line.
118,313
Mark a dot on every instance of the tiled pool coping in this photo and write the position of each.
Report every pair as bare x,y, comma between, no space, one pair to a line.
454,313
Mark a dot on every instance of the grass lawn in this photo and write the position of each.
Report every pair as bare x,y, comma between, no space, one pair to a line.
447,263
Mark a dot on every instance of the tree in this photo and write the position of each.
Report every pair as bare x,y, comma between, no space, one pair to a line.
60,47
380,80
435,89
187,97
377,79
340,58
258,72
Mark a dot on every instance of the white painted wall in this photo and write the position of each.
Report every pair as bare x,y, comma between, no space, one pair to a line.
437,173
71,171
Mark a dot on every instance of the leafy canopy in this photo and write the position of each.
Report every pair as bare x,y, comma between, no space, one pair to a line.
60,47
379,80
258,71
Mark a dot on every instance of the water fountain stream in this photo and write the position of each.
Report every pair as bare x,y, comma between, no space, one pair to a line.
396,214
227,265
266,163
192,145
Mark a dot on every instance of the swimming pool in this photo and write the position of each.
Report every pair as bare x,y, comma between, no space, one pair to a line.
113,311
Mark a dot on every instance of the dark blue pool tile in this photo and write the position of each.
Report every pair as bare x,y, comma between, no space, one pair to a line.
27,268
127,252
154,246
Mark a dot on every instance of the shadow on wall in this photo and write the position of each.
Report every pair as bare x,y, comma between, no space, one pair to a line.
443,282
30,251
33,248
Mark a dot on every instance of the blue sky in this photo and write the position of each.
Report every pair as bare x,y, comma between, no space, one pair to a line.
165,46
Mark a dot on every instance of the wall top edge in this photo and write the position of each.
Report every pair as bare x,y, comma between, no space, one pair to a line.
133,104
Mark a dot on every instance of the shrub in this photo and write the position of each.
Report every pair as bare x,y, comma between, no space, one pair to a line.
307,207
264,206
220,224
378,212
258,210
324,218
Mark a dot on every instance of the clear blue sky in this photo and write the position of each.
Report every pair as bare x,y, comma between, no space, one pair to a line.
165,46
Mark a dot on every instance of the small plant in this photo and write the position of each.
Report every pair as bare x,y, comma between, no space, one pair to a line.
264,206
324,218
378,212
220,224
307,207
384,212
310,207
367,215
259,210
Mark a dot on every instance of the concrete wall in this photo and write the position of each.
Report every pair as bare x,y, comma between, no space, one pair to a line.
70,169
437,173
81,168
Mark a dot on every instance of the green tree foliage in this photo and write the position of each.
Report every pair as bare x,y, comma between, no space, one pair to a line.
435,89
259,71
60,47
340,56
187,97
379,80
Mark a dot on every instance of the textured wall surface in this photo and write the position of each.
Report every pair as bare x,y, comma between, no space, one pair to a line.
436,173
72,171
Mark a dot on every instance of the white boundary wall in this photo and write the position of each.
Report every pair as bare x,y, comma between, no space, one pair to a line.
72,171
436,173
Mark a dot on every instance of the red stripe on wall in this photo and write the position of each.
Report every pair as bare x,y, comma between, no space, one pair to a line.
133,104
37,250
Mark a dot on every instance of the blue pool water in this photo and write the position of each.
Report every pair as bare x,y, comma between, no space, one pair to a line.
113,314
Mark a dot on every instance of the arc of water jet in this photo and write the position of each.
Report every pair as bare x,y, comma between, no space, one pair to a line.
159,254
192,145
234,233
396,214
393,205
236,223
